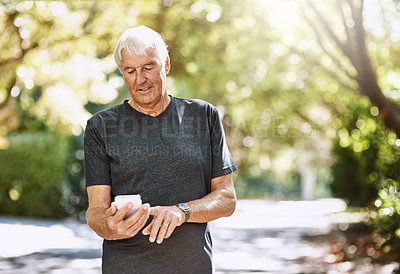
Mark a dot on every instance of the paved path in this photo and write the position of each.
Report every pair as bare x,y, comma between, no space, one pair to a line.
261,236
271,237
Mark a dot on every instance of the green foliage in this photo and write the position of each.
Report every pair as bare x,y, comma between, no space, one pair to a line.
386,217
350,173
31,175
365,155
268,187
282,98
74,197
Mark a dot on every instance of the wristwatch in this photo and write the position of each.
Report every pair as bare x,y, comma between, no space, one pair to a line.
185,208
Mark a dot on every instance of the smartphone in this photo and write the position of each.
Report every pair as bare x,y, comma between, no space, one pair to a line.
121,200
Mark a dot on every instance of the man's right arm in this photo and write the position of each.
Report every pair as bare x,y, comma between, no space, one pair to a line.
107,221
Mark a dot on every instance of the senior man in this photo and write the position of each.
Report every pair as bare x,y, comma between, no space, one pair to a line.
172,152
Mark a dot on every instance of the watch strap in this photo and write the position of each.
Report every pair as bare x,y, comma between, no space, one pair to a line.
186,209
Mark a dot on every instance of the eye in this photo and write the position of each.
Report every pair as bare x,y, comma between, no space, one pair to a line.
130,72
148,68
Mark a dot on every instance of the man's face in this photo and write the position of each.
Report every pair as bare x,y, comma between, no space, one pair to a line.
145,77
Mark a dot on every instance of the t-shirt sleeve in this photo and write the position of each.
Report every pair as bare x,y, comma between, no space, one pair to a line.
222,162
97,162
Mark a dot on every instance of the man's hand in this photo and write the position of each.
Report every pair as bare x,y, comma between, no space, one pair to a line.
118,228
166,219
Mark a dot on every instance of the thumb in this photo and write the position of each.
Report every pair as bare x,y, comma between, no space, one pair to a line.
112,210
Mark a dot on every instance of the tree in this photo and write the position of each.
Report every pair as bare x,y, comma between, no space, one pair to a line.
350,56
259,62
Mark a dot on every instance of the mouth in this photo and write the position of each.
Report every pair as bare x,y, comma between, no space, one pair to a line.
144,89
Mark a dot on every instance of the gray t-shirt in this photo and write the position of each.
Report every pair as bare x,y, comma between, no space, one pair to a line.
168,159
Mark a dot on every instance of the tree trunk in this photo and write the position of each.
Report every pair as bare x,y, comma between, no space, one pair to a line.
355,51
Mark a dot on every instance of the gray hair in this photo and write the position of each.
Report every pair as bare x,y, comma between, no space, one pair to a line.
136,40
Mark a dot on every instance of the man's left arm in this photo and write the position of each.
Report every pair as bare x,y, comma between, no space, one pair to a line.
220,202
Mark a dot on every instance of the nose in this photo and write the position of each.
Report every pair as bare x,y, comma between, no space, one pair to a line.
141,77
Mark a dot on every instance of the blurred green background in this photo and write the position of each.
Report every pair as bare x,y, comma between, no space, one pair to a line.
309,93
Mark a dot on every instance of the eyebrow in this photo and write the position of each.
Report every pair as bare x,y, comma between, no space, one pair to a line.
151,63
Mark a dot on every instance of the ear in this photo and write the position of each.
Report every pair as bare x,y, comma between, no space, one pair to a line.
167,65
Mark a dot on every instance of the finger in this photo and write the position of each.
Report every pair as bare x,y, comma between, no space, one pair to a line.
154,211
145,216
172,225
111,211
140,223
162,231
156,227
136,217
141,210
122,212
147,229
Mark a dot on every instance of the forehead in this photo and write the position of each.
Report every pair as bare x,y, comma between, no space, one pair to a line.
135,60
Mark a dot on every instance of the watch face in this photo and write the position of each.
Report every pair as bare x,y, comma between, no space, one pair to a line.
184,207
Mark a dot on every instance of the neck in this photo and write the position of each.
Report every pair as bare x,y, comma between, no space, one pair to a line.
151,109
